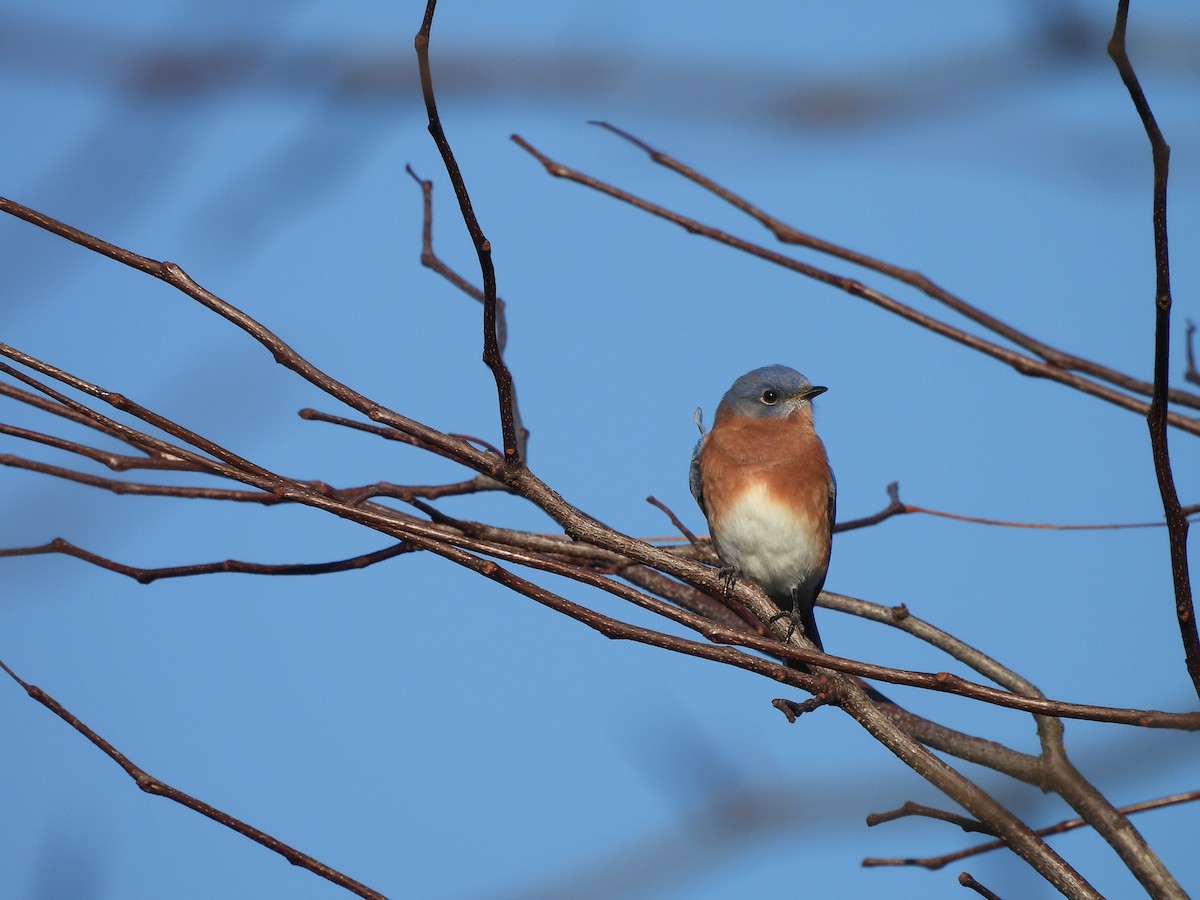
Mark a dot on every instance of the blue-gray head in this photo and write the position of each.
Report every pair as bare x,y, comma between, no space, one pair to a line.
769,392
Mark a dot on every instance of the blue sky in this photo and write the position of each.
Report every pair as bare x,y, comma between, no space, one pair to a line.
414,726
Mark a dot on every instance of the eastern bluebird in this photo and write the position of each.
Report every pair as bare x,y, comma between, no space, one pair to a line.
763,481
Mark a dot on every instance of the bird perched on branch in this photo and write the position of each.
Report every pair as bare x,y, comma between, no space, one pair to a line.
763,481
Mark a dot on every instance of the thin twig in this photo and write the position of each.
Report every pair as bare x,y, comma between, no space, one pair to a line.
430,260
929,812
1044,526
937,862
117,462
147,576
675,520
118,486
967,880
894,508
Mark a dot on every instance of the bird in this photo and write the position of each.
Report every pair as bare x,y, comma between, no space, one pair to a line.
762,479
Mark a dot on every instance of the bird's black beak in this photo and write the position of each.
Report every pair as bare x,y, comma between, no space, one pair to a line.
814,391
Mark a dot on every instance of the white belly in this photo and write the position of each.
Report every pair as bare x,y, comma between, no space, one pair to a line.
767,543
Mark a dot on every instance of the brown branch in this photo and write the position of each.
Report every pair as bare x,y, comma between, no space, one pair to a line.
792,711
736,616
153,786
492,355
147,576
117,462
898,508
47,405
391,434
226,463
1044,526
967,747
789,235
430,260
1156,417
454,448
410,492
840,690
446,537
1026,365
675,520
941,682
919,809
117,486
937,862
1055,768
1032,700
352,495
894,508
967,880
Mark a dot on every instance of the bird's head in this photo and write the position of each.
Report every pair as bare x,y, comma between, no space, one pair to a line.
769,392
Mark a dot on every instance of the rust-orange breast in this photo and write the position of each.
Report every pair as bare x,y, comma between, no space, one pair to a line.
766,493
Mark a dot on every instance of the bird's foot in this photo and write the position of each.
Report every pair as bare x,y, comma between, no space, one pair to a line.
800,618
729,574
793,617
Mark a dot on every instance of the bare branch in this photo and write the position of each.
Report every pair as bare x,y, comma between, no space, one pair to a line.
919,809
967,880
1156,417
432,261
1044,526
456,449
152,785
147,576
1022,363
492,355
937,862
118,462
894,508
675,520
136,488
789,235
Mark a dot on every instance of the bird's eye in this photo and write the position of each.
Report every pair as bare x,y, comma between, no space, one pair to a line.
770,397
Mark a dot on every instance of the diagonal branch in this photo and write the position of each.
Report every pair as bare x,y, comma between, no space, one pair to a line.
152,785
454,448
1026,365
790,235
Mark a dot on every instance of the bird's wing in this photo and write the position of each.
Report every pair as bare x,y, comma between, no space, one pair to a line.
832,500
694,481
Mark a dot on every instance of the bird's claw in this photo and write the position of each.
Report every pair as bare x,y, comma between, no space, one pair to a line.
729,574
795,623
793,617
